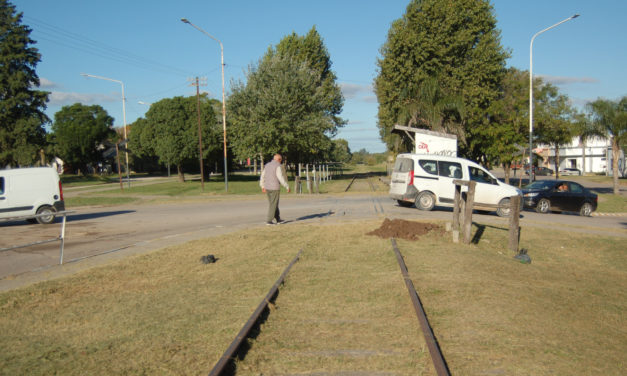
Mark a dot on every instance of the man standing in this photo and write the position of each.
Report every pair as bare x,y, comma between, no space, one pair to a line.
272,178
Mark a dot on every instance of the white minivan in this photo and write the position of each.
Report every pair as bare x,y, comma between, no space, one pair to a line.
427,180
31,191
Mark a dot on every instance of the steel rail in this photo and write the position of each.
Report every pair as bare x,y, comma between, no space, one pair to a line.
243,333
432,344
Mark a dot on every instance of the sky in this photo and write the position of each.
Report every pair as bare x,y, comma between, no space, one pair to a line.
145,45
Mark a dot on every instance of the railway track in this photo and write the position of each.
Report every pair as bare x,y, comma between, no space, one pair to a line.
226,363
376,202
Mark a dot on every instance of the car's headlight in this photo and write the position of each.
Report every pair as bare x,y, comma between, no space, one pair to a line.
531,194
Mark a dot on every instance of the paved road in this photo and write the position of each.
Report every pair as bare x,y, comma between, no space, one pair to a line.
97,235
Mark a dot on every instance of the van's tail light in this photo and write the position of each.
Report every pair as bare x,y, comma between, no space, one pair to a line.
411,177
60,190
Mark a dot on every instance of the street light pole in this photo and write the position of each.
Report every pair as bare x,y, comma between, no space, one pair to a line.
531,172
226,178
128,177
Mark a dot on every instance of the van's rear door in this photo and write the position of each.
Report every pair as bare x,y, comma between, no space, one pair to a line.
402,177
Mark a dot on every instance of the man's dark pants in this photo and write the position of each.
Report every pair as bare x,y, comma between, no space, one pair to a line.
273,208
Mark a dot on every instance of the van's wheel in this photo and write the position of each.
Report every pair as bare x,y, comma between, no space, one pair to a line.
544,206
586,209
504,208
49,217
404,204
425,201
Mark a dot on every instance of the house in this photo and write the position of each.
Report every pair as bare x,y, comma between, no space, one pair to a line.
595,157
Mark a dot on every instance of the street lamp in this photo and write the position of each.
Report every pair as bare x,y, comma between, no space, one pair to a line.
128,177
531,173
226,179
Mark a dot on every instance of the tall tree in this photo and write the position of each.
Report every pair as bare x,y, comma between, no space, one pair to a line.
611,117
78,130
290,102
170,131
340,152
555,121
21,105
452,42
508,117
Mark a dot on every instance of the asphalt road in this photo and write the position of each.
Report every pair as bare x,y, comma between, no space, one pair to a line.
100,235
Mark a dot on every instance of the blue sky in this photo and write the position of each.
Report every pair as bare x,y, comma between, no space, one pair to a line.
146,46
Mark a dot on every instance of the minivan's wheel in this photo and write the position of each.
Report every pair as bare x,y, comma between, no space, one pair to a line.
586,209
504,208
404,204
425,201
544,205
46,219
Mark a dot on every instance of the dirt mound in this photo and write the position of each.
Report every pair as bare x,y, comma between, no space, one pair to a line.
401,229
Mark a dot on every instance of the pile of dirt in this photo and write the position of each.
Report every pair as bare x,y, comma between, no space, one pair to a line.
401,229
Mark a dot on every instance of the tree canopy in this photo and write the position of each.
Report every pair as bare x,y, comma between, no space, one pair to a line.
78,130
610,117
21,106
449,45
170,131
289,103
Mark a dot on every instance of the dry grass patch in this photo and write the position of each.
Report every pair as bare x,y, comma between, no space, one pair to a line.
564,314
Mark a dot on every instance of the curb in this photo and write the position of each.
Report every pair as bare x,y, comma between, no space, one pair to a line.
608,214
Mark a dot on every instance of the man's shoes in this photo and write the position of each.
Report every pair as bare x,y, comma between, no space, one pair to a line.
269,223
280,221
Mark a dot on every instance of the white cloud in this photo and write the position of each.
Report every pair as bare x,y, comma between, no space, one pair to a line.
352,91
45,83
560,80
62,98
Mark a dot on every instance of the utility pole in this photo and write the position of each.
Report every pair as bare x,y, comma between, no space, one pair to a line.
202,172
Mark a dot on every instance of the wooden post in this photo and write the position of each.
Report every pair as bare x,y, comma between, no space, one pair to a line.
470,200
308,181
315,179
456,212
514,221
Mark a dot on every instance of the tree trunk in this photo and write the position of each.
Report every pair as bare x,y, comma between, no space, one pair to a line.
179,168
506,168
615,156
583,156
557,161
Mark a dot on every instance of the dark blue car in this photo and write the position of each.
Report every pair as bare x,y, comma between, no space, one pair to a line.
559,195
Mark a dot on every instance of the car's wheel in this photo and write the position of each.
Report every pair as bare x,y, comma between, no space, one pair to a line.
586,209
49,214
544,206
404,204
425,201
504,208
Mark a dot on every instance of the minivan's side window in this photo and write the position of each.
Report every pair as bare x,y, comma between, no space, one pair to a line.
404,165
430,167
479,175
450,169
1,185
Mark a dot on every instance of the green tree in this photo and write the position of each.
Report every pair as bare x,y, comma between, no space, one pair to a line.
170,131
451,45
289,103
78,130
555,122
280,109
508,119
611,118
21,106
340,152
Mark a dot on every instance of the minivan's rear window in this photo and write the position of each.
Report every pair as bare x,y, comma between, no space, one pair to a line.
429,166
404,165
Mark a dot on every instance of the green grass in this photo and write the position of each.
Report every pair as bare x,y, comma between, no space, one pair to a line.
343,308
611,203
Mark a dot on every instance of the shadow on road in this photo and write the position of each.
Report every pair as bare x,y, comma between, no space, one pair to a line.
82,217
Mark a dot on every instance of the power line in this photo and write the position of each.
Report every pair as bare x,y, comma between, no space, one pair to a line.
57,35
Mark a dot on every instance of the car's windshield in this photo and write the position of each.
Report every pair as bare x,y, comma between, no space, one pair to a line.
540,184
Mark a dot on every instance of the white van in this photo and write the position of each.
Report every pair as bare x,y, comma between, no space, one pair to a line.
30,191
427,180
